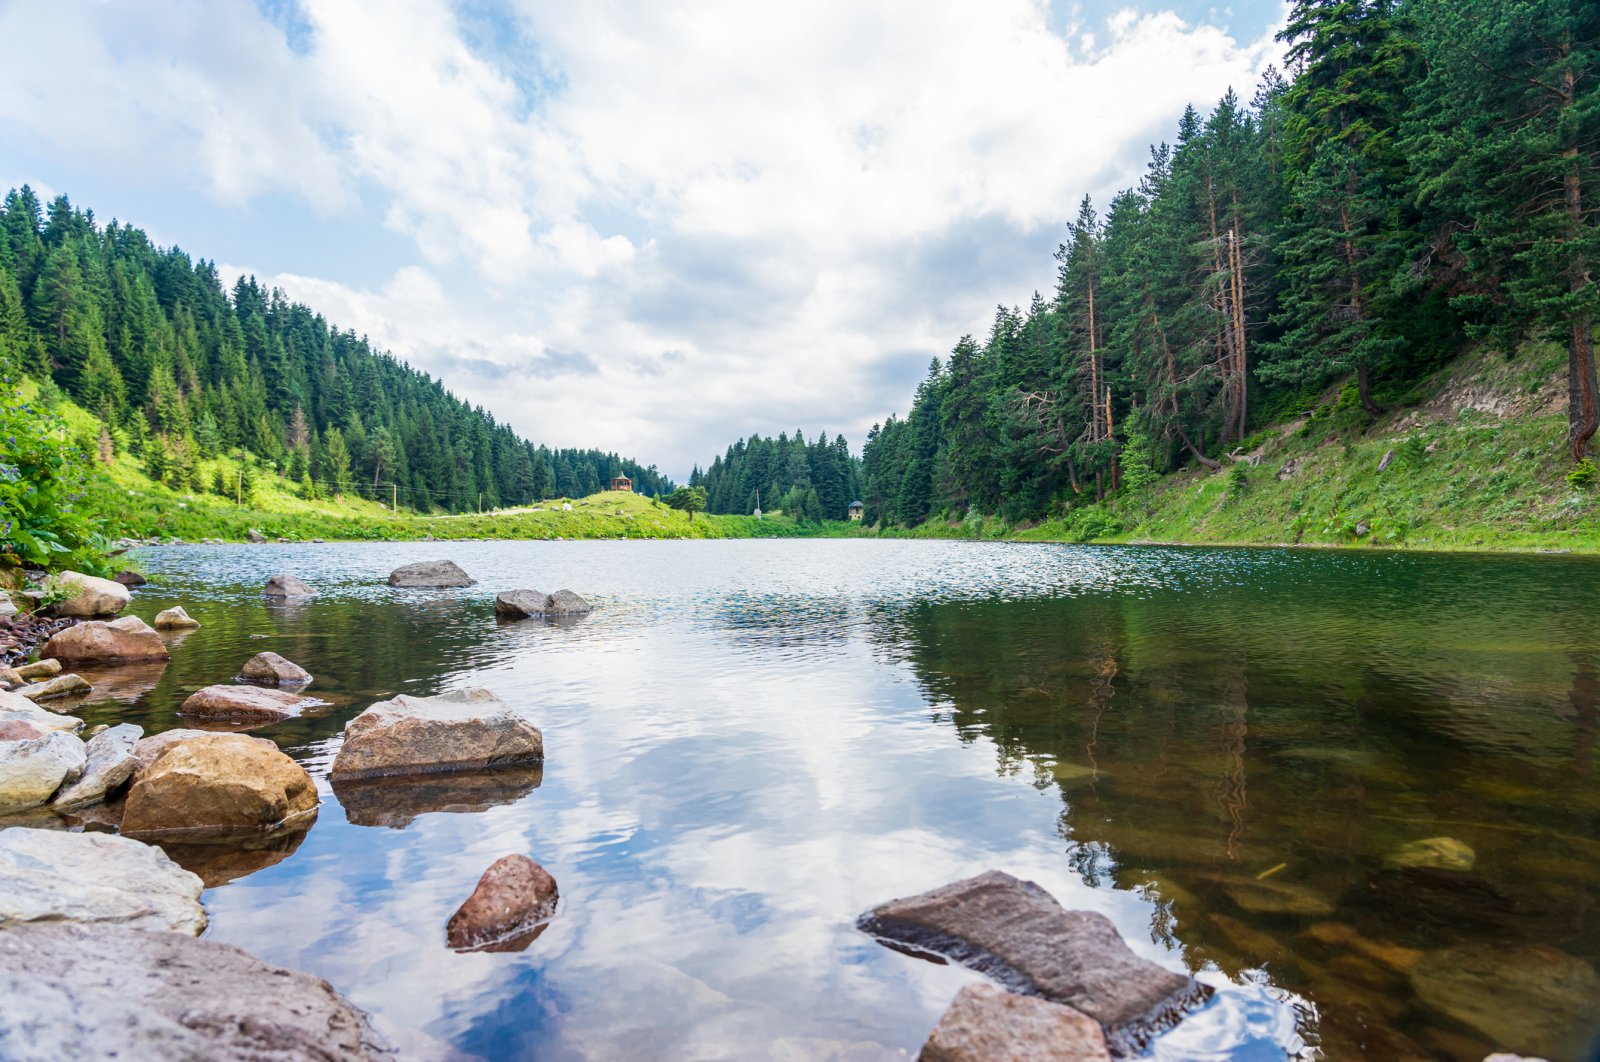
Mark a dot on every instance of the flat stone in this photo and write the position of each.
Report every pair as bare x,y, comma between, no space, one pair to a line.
514,897
217,784
33,769
16,708
244,704
285,585
270,669
39,669
147,750
1438,853
91,992
128,638
431,575
52,876
92,598
1017,933
175,619
396,802
110,764
460,731
988,1024
50,689
1533,999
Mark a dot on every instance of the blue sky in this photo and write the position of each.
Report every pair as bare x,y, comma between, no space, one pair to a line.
643,227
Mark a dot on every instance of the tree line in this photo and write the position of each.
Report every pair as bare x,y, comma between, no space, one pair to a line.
1425,177
809,481
178,369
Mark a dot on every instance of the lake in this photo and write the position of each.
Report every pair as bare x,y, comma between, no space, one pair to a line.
749,743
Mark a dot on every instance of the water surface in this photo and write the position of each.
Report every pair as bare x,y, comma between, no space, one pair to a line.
749,743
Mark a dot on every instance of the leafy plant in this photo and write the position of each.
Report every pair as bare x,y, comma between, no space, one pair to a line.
43,477
1584,473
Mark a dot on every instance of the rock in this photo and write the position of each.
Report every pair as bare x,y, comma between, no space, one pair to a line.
147,750
128,638
1439,853
255,536
396,802
460,731
514,898
1387,460
988,1024
50,689
16,708
566,603
1018,934
175,619
1532,999
91,598
1272,896
520,604
110,763
285,585
217,783
17,730
244,704
270,669
1363,529
130,579
39,669
9,679
431,575
52,876
31,770
82,992
1337,936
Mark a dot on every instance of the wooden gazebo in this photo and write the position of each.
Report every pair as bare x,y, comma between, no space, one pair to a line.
622,483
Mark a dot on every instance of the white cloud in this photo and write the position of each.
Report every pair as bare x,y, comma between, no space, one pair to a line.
803,202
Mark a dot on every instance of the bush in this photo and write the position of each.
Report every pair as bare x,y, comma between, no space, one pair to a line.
43,477
1584,473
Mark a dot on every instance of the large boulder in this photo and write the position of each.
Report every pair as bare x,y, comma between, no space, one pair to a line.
110,763
285,585
50,689
90,598
431,575
988,1024
513,900
244,704
521,604
1017,933
1532,999
15,708
270,669
175,619
461,731
147,750
127,639
89,992
217,784
32,769
54,876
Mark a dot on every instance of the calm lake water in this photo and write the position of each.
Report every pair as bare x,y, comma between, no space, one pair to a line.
749,743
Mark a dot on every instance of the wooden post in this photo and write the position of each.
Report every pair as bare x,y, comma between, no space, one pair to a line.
394,498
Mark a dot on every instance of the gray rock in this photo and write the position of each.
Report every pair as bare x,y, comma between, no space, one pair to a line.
50,689
460,731
988,1024
33,769
566,603
520,604
95,992
1532,999
285,585
110,763
130,579
51,876
431,575
92,598
270,669
1388,459
255,536
1017,933
175,619
16,708
1439,853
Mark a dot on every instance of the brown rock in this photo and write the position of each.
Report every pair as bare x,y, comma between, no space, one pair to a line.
396,802
1018,934
17,730
244,704
175,619
217,783
513,899
270,669
130,579
460,731
988,1024
9,679
147,750
39,669
128,638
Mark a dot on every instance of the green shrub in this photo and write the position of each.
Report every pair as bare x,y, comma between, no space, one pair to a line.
1584,473
43,478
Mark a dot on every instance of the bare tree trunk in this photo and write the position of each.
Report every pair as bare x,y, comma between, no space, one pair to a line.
1241,366
1172,397
1582,415
1357,306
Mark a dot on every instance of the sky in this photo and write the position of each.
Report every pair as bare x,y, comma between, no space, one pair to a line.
642,227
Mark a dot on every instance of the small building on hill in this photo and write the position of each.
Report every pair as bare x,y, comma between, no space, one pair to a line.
856,509
622,483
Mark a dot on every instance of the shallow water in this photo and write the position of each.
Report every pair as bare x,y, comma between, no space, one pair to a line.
749,743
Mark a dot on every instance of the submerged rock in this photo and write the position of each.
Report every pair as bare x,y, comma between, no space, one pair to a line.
175,619
521,604
131,580
461,731
244,704
1531,999
128,638
52,876
988,1024
396,802
110,763
270,669
1017,933
70,991
31,770
1272,896
1438,853
91,598
514,897
431,575
217,784
50,689
286,585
